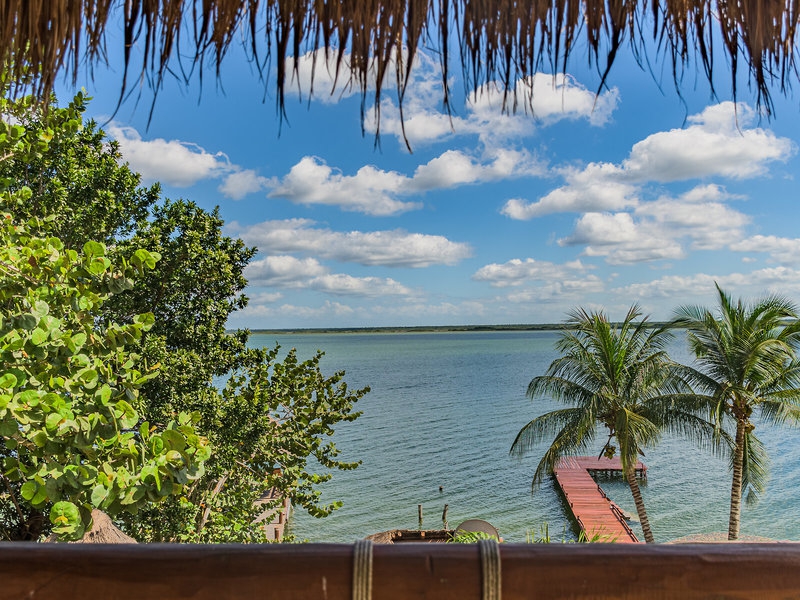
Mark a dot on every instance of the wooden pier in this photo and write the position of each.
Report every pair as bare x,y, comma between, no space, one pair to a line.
597,516
273,519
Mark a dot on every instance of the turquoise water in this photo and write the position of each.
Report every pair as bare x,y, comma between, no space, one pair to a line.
443,411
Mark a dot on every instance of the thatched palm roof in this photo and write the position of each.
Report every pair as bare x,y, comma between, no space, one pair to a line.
498,39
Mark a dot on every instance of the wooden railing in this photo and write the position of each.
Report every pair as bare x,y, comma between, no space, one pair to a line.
442,571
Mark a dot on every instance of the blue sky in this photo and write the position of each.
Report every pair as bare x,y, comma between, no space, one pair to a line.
633,196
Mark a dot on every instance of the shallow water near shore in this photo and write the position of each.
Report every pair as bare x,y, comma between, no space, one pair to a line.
445,408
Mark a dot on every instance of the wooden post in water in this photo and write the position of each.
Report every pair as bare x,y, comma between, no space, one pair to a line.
419,510
444,516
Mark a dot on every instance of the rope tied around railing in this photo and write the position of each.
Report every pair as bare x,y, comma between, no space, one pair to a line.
362,570
491,576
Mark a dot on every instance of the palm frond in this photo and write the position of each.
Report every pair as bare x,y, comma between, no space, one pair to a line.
545,427
780,411
755,469
705,433
574,432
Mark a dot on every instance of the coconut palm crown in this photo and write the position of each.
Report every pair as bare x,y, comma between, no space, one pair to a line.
616,376
746,363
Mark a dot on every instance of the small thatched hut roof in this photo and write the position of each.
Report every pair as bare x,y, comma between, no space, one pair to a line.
502,40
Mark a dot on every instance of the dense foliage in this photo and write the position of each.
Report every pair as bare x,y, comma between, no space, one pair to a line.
71,438
269,423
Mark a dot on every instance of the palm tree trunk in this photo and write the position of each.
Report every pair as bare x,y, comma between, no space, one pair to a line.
736,486
630,475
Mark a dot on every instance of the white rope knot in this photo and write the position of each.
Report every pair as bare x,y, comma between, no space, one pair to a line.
362,570
491,580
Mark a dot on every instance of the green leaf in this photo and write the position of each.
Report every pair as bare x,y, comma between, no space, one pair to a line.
156,445
99,265
126,414
174,456
28,397
40,309
28,490
104,394
145,319
79,339
66,520
88,377
92,249
144,258
8,381
27,322
173,439
99,493
8,426
53,421
40,497
39,337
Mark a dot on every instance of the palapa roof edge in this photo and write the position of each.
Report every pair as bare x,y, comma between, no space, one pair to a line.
499,40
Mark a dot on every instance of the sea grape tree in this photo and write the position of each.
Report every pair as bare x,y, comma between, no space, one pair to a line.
270,423
71,438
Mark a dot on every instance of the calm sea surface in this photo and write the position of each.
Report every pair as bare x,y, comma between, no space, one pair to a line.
443,411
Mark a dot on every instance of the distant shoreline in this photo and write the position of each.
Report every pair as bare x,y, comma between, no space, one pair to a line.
412,329
420,329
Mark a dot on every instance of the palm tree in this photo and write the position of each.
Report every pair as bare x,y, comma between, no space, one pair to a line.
745,362
617,376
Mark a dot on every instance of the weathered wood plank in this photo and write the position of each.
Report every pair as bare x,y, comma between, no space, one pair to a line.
593,511
442,571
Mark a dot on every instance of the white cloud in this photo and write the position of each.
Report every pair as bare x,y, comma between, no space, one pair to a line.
516,271
595,188
454,167
709,192
264,297
174,162
427,313
292,315
376,192
563,292
660,229
548,98
782,250
341,284
395,248
239,184
602,229
283,271
541,100
307,273
708,225
370,190
714,145
782,280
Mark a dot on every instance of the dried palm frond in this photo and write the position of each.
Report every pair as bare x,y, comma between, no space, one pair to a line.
500,40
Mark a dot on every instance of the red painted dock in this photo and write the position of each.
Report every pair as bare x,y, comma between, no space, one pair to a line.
593,510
